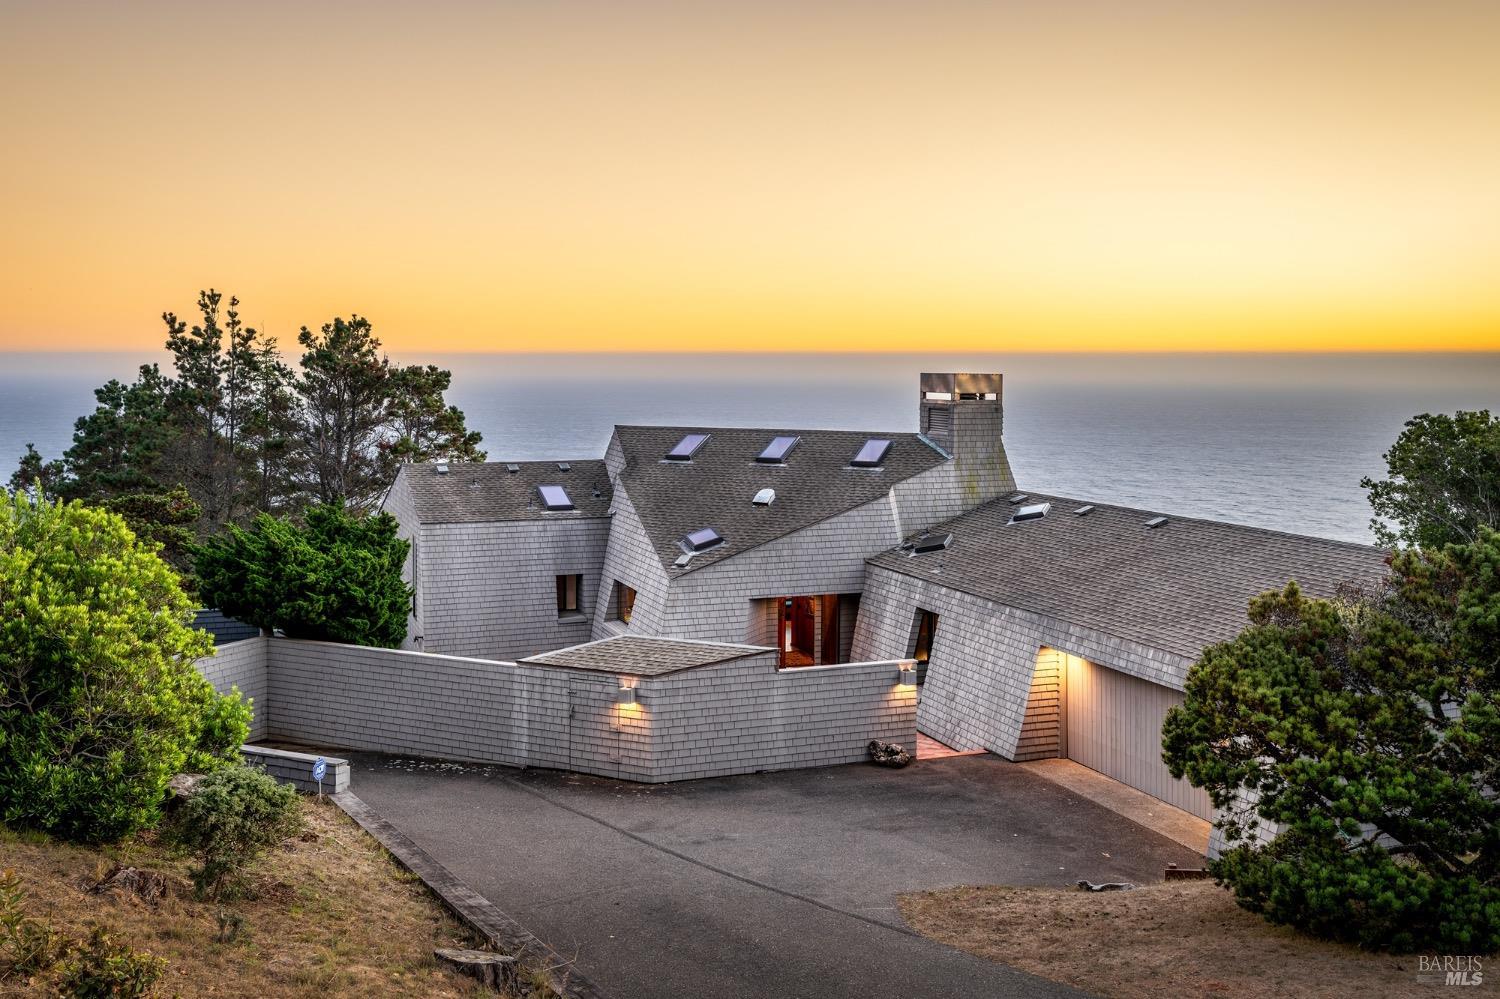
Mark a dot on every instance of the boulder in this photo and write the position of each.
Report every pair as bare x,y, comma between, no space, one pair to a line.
495,970
888,754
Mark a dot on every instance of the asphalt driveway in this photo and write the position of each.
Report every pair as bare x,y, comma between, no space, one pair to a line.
768,885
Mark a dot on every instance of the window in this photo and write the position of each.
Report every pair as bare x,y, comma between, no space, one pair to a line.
776,451
624,602
555,498
872,454
702,540
569,594
687,447
924,630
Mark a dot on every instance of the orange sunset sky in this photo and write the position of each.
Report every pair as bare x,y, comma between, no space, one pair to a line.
559,175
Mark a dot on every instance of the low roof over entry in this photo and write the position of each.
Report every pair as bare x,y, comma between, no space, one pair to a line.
640,655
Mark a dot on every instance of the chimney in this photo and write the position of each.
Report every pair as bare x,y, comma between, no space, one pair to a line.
962,414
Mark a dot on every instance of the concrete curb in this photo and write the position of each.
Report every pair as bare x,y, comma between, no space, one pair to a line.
479,913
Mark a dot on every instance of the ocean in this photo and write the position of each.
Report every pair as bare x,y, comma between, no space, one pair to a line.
1272,440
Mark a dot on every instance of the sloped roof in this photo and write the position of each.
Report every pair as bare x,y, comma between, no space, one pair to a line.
474,492
1179,587
716,487
641,655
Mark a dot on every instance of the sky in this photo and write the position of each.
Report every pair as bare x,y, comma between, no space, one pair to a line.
520,175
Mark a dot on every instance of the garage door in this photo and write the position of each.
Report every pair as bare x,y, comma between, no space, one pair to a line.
1114,727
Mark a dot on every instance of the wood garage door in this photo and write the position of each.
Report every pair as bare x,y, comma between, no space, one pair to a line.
1114,727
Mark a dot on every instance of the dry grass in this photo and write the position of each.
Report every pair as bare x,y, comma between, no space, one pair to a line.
1175,938
332,914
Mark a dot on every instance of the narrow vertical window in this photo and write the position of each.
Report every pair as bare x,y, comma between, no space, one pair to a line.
568,590
624,602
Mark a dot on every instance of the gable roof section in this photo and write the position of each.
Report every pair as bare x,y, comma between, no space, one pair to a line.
1178,587
478,492
715,488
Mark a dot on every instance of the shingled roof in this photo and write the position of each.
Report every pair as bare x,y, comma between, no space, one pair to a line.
488,491
716,487
1178,587
641,655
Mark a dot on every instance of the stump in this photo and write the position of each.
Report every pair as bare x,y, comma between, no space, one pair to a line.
146,885
1107,886
495,970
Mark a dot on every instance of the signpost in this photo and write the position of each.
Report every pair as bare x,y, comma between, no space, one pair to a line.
320,767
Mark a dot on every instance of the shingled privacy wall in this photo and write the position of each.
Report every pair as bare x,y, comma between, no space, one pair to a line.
739,716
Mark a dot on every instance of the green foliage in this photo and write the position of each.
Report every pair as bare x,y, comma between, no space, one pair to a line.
337,579
100,702
243,432
166,519
100,968
28,946
1368,730
1444,481
233,817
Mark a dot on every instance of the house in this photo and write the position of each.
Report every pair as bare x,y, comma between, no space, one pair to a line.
1042,625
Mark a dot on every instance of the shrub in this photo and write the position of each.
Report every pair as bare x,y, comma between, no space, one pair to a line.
103,969
233,817
27,946
338,579
100,701
1368,731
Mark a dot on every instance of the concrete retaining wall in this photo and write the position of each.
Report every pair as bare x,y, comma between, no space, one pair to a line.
739,716
296,769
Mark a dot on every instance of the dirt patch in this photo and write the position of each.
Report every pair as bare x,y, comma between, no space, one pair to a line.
332,914
1176,938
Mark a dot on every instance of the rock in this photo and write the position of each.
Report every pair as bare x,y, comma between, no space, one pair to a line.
146,885
888,754
1107,886
495,970
182,787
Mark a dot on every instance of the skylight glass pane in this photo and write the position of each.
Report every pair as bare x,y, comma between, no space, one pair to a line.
776,451
704,537
555,498
687,447
1036,511
872,454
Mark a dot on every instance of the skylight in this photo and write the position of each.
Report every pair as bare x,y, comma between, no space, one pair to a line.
872,454
931,543
555,498
512,467
1018,498
442,468
1156,522
563,466
1035,511
765,497
1084,511
776,451
687,447
702,539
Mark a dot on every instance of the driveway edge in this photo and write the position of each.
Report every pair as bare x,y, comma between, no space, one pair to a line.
473,909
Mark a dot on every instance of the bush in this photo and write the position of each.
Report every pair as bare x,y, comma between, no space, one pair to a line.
233,817
100,701
338,579
1367,730
103,969
27,946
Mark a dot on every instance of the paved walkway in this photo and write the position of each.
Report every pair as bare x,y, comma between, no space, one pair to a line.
769,885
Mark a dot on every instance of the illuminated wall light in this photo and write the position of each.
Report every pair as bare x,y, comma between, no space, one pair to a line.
626,694
907,677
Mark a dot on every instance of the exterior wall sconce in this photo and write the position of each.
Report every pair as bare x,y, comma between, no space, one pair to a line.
625,695
907,677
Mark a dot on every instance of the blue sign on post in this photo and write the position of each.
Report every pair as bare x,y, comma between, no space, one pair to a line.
320,767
